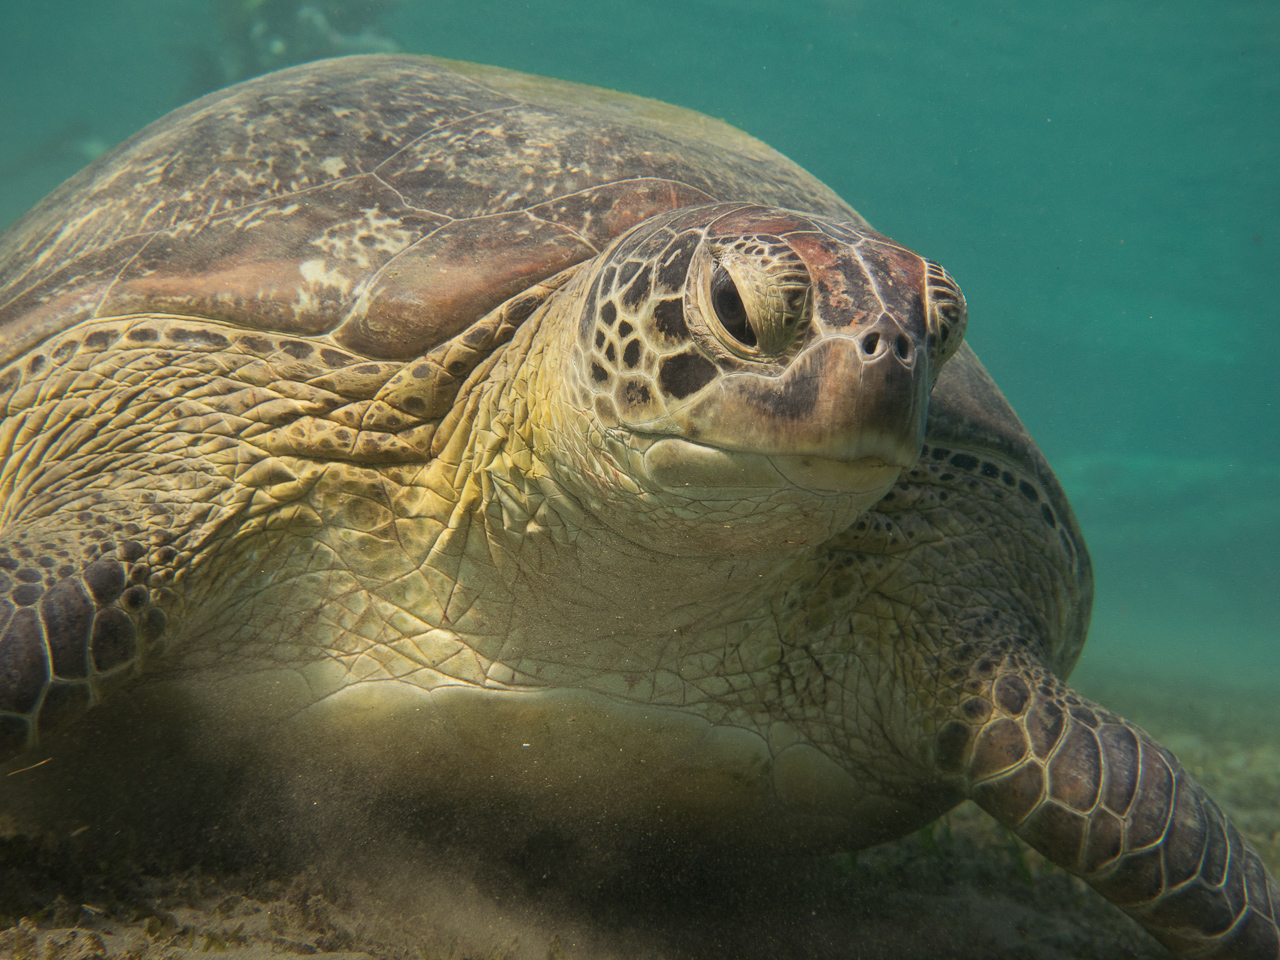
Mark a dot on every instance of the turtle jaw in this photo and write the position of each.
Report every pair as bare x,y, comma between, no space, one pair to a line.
867,478
705,472
844,419
843,399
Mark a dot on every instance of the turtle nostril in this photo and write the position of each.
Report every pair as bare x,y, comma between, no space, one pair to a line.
870,342
902,346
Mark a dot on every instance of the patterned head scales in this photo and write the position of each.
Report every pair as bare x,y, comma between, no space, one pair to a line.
762,330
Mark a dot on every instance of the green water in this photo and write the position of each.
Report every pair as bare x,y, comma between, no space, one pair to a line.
1101,177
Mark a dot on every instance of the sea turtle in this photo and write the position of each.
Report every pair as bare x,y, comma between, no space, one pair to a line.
497,437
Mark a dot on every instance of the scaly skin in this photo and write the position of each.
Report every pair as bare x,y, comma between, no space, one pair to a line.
923,687
1100,798
620,549
1089,790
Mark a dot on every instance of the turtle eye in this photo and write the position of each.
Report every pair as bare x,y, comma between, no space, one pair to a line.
754,293
729,308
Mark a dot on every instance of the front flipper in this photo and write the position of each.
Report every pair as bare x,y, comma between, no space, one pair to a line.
76,616
1100,798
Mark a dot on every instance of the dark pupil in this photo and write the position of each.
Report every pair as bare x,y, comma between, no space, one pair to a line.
730,309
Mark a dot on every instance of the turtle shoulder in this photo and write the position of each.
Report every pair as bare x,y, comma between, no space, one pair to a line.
384,203
973,429
967,408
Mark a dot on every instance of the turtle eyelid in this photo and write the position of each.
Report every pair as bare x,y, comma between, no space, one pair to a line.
947,311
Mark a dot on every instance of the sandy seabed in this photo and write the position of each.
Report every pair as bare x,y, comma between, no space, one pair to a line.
966,888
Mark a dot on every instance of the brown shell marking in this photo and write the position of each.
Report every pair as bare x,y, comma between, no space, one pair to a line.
388,201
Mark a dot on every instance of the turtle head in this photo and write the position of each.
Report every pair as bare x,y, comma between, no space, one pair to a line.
760,369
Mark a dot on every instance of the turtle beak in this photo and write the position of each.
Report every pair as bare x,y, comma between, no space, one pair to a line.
877,395
851,395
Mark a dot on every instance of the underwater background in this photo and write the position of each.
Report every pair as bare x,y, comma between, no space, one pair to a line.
1101,176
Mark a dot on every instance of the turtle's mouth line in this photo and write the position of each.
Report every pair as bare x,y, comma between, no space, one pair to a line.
864,475
709,472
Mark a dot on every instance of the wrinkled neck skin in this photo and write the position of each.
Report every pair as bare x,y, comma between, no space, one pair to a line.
587,545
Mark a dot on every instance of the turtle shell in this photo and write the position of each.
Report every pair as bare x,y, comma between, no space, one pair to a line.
388,206
385,201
